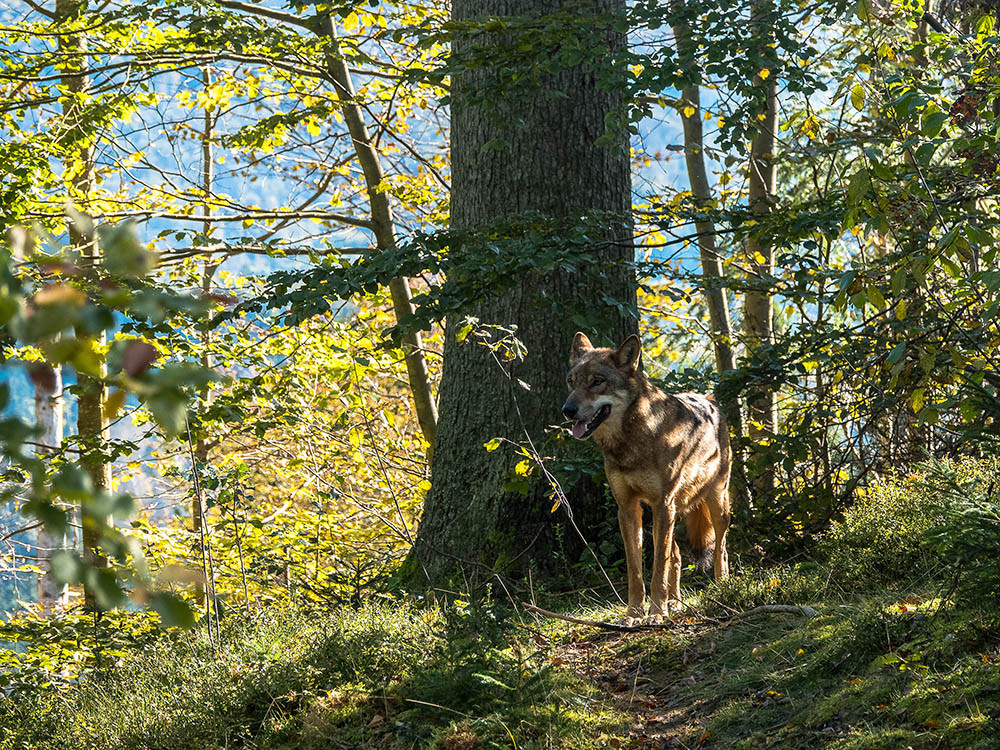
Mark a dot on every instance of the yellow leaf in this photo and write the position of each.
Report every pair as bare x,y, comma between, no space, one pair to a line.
555,506
523,468
764,73
492,445
901,310
689,111
424,485
351,22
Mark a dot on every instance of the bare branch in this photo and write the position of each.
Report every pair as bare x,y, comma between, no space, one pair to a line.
275,15
251,216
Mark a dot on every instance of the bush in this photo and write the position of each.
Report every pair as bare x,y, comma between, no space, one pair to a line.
966,536
879,540
752,586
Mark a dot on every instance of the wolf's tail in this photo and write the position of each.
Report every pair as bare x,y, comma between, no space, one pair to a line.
701,537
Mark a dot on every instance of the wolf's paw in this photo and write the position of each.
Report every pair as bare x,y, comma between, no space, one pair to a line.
657,619
633,616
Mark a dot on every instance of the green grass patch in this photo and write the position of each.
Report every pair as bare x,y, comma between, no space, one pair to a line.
393,675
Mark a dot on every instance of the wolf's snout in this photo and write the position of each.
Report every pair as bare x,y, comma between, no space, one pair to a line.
570,409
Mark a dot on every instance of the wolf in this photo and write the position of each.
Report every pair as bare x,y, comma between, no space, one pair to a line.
669,451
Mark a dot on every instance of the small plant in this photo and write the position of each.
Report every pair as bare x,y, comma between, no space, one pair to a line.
753,586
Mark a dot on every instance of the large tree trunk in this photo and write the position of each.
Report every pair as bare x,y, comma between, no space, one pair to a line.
92,422
548,164
758,317
52,595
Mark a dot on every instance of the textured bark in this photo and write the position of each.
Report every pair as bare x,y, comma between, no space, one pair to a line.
52,595
92,424
711,262
551,165
758,318
384,231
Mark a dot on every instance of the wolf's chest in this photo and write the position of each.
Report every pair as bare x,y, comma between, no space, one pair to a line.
651,485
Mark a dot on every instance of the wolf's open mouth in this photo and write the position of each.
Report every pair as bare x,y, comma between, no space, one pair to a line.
583,429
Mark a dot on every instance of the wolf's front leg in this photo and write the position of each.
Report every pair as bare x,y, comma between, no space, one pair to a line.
630,522
662,583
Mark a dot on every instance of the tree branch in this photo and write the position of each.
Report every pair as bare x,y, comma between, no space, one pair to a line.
275,15
252,216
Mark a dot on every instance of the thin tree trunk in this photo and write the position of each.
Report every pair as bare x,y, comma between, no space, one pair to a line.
723,337
52,595
711,262
758,317
549,165
383,229
92,423
201,445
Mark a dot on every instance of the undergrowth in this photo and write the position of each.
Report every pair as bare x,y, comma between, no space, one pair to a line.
391,675
904,652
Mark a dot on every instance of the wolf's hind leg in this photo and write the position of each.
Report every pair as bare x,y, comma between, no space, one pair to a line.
718,508
674,584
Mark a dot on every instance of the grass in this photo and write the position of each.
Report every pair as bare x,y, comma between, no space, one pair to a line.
892,660
893,670
392,675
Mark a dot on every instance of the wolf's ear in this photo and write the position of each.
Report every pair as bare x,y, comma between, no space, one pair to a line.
581,345
626,356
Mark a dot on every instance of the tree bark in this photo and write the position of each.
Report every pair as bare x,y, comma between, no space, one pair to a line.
92,423
52,595
758,318
547,162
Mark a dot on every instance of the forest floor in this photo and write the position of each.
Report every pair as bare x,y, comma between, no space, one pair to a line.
893,669
882,672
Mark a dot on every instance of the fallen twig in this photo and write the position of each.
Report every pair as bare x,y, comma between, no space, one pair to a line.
593,623
791,609
794,609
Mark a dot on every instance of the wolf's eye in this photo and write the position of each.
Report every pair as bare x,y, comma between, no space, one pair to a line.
596,382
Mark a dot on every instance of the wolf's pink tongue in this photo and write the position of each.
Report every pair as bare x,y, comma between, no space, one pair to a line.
578,429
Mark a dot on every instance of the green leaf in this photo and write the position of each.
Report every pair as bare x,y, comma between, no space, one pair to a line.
875,298
72,483
67,567
932,122
897,353
173,611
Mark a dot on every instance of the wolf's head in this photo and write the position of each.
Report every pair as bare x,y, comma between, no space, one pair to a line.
599,383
